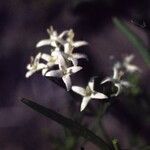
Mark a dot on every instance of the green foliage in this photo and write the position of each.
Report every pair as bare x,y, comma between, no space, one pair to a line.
134,39
73,126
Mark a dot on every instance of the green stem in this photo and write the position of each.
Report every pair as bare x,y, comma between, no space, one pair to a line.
115,144
98,126
134,39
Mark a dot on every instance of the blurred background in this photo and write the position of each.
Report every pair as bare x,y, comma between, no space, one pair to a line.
23,24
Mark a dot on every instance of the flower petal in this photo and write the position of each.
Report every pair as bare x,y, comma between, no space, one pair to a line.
79,43
43,43
106,80
125,83
29,67
46,57
119,87
132,68
61,35
129,58
29,73
40,66
79,90
54,73
74,69
84,102
79,56
67,81
44,71
67,48
73,60
37,57
98,95
116,69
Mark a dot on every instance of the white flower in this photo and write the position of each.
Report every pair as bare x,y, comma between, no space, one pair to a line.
88,93
116,79
64,73
34,65
54,38
69,47
70,39
74,57
70,44
55,58
128,66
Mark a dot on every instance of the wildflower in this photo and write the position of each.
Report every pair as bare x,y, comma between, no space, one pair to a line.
54,38
116,80
69,47
74,57
70,44
55,58
88,93
128,66
35,65
64,73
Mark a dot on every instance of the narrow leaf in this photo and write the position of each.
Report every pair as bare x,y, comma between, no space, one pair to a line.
134,39
75,127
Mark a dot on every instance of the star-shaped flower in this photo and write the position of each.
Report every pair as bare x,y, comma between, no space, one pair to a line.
70,44
56,58
128,66
88,93
64,73
116,80
73,57
54,38
35,65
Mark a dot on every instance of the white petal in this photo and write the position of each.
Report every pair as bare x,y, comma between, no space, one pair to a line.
70,35
91,84
125,83
98,95
79,90
38,56
29,73
51,64
84,103
74,69
63,34
46,57
41,66
106,80
129,58
132,68
61,61
79,43
43,43
115,73
44,71
67,81
67,48
29,67
73,60
54,43
119,89
54,73
79,56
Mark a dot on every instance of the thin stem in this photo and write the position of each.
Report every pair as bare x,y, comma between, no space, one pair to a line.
98,126
115,144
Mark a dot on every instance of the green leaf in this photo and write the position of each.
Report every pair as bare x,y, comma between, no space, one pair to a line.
75,127
134,39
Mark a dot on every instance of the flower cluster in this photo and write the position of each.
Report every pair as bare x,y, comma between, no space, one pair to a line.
63,56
